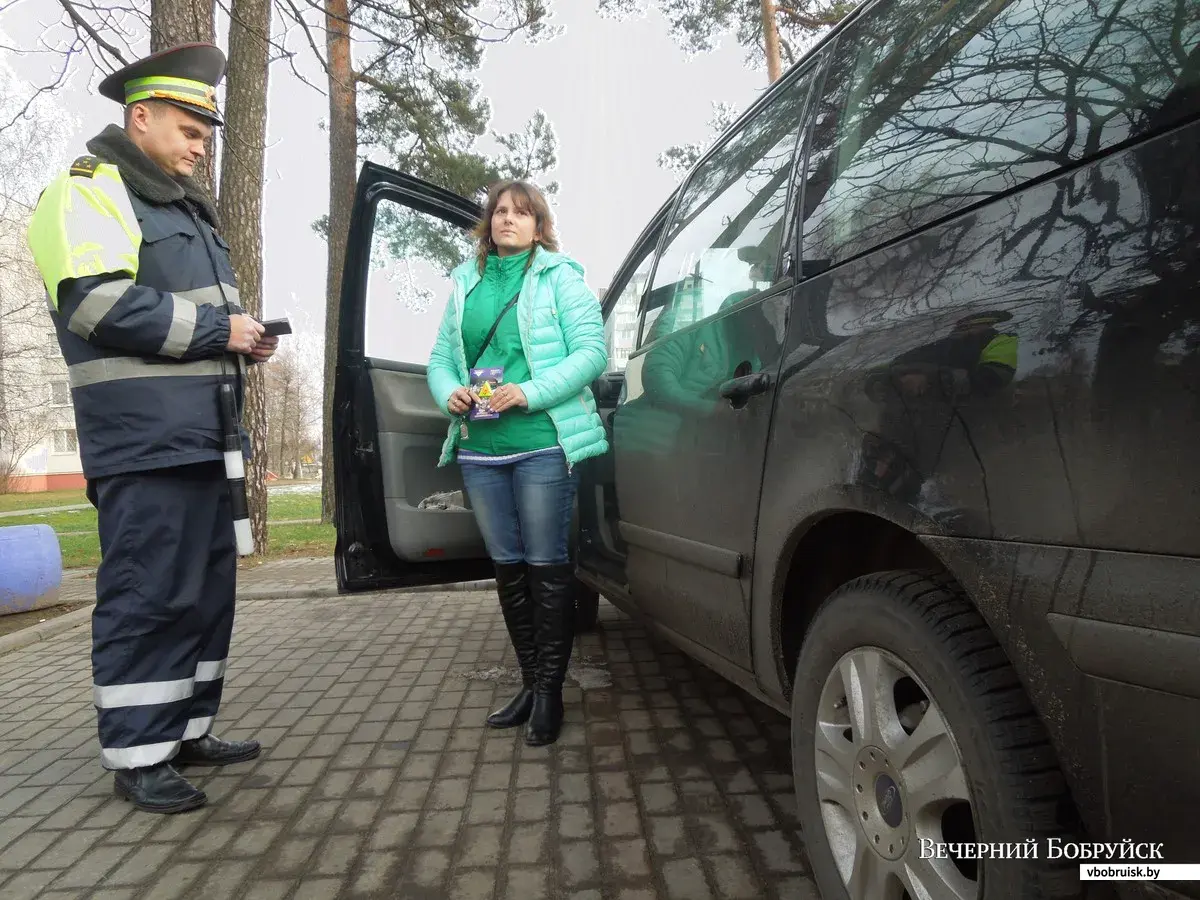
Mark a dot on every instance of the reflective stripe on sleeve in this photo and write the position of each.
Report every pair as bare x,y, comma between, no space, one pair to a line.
95,306
213,296
101,299
183,328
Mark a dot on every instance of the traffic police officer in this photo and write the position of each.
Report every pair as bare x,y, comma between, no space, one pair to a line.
144,301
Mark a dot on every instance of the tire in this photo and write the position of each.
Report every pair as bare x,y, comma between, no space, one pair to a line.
920,634
587,607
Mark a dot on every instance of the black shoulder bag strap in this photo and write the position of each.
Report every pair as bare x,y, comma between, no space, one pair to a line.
492,333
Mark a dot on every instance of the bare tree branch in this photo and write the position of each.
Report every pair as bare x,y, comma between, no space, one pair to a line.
298,18
95,35
45,89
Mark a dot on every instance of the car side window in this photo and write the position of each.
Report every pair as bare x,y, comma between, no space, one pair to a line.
724,238
929,107
621,326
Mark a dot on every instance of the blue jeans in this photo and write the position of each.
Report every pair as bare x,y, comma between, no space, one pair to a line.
524,508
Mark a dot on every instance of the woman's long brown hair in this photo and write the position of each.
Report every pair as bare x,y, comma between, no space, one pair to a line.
526,196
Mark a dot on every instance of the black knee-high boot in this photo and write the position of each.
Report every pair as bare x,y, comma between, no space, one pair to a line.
554,612
512,583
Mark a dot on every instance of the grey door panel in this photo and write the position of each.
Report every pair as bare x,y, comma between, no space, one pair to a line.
403,403
411,432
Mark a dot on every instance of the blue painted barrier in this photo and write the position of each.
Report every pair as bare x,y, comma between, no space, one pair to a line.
30,568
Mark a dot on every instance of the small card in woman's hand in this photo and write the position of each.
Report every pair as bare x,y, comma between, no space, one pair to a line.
483,385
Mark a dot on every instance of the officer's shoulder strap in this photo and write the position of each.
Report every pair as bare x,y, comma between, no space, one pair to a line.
85,166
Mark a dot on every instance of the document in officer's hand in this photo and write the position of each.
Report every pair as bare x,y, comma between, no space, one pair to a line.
276,327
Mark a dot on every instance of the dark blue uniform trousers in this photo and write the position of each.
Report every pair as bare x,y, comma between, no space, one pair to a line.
164,609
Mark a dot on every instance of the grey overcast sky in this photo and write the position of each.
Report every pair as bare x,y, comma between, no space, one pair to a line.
617,93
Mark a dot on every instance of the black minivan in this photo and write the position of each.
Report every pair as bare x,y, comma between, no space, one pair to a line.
904,405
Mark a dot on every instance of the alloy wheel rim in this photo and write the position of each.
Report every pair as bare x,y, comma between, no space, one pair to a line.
890,775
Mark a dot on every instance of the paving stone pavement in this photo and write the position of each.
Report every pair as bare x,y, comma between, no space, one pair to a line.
282,575
380,779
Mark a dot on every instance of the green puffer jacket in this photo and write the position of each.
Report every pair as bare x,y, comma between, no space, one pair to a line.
562,334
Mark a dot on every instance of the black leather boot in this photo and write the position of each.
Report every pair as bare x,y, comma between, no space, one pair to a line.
211,751
554,613
158,789
512,584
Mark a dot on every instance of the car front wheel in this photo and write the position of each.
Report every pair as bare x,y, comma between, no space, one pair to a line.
912,737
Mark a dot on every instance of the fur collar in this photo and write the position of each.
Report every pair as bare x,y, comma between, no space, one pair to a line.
144,177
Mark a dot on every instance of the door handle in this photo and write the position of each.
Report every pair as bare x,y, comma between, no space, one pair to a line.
741,389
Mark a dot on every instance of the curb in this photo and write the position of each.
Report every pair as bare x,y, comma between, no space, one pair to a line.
36,633
327,590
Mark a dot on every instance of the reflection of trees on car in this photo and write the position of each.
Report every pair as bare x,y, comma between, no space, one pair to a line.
688,369
759,155
989,95
973,360
928,116
726,232
1036,90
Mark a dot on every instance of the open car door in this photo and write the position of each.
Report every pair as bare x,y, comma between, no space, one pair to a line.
401,521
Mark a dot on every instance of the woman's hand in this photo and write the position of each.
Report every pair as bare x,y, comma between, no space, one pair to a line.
508,395
460,401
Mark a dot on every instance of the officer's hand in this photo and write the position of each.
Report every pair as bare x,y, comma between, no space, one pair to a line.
265,348
244,333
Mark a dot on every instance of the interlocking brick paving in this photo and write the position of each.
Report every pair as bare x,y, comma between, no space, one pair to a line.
380,779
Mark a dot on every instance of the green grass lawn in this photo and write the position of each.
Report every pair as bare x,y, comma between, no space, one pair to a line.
71,520
293,506
10,502
80,544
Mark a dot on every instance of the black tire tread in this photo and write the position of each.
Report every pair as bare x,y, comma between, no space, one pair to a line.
1010,721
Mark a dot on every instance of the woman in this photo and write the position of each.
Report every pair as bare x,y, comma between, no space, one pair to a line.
522,310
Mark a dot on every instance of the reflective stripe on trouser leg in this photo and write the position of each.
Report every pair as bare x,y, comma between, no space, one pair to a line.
152,616
219,591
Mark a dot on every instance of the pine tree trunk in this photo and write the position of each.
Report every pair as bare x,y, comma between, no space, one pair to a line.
771,40
343,165
242,159
175,22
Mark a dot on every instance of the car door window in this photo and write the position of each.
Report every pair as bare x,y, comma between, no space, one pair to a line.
930,107
724,238
408,285
621,326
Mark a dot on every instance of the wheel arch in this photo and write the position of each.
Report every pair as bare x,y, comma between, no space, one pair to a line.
852,540
848,543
